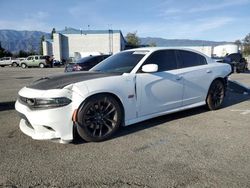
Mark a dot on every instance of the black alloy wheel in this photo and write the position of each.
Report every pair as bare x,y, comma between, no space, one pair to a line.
215,95
98,118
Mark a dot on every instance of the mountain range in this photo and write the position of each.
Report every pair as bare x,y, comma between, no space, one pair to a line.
14,41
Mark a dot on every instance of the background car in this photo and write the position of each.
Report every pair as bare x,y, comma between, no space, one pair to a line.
34,61
128,87
57,63
85,63
237,62
9,61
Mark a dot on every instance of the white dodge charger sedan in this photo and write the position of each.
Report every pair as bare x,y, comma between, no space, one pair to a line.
128,87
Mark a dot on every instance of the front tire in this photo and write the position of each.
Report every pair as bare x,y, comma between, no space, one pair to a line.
215,95
98,118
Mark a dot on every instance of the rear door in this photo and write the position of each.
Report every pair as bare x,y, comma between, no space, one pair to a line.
197,76
36,61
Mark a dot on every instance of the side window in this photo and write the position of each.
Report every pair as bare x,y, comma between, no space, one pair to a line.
29,58
190,59
36,57
165,59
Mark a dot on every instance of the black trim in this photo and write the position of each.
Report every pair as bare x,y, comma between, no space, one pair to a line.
26,119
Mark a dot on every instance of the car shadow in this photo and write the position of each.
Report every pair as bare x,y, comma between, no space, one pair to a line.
237,87
232,98
4,106
123,131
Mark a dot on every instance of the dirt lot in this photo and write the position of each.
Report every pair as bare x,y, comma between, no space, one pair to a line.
194,148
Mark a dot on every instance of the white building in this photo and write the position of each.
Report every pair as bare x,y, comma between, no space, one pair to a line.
217,51
67,43
223,50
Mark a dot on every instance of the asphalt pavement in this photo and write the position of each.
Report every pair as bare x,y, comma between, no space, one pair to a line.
193,148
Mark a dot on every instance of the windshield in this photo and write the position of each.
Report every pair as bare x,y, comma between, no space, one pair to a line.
122,62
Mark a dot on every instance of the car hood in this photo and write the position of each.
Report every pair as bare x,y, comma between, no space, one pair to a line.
62,80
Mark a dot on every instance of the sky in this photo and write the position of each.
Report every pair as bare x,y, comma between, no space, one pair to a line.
216,20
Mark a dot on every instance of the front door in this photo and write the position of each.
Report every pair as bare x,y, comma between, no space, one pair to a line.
159,92
163,90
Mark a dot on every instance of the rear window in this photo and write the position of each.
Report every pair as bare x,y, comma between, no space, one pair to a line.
191,59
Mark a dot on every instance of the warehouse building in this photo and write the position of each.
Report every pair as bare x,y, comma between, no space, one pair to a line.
76,43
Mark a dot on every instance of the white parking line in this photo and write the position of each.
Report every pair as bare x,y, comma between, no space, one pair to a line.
243,112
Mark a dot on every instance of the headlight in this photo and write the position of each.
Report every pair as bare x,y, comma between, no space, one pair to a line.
45,102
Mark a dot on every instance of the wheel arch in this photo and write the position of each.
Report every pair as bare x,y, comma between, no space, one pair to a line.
76,135
14,62
223,80
107,93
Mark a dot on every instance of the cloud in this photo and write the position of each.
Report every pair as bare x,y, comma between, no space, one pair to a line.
193,29
217,6
192,7
29,22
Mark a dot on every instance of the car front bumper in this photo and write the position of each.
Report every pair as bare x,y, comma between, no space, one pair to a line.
45,124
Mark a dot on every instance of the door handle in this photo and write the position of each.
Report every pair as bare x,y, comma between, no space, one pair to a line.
209,71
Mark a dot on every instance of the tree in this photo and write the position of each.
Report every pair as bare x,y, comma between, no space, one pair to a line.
22,53
246,45
41,44
238,42
4,53
133,40
52,32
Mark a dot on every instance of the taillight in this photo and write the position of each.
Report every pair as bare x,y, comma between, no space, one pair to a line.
77,67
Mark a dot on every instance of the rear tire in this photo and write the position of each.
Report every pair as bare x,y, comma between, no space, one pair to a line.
23,65
98,118
14,64
41,65
215,95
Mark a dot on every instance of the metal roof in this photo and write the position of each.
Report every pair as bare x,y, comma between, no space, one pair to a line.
84,32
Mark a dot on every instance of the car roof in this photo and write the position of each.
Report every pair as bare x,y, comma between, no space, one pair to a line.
152,49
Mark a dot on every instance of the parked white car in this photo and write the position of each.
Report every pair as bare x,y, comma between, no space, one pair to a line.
9,61
128,87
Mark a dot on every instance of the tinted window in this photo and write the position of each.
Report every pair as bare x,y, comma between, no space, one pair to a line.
122,62
190,59
235,57
92,62
165,59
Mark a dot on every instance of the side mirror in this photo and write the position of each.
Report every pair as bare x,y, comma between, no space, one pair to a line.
150,68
